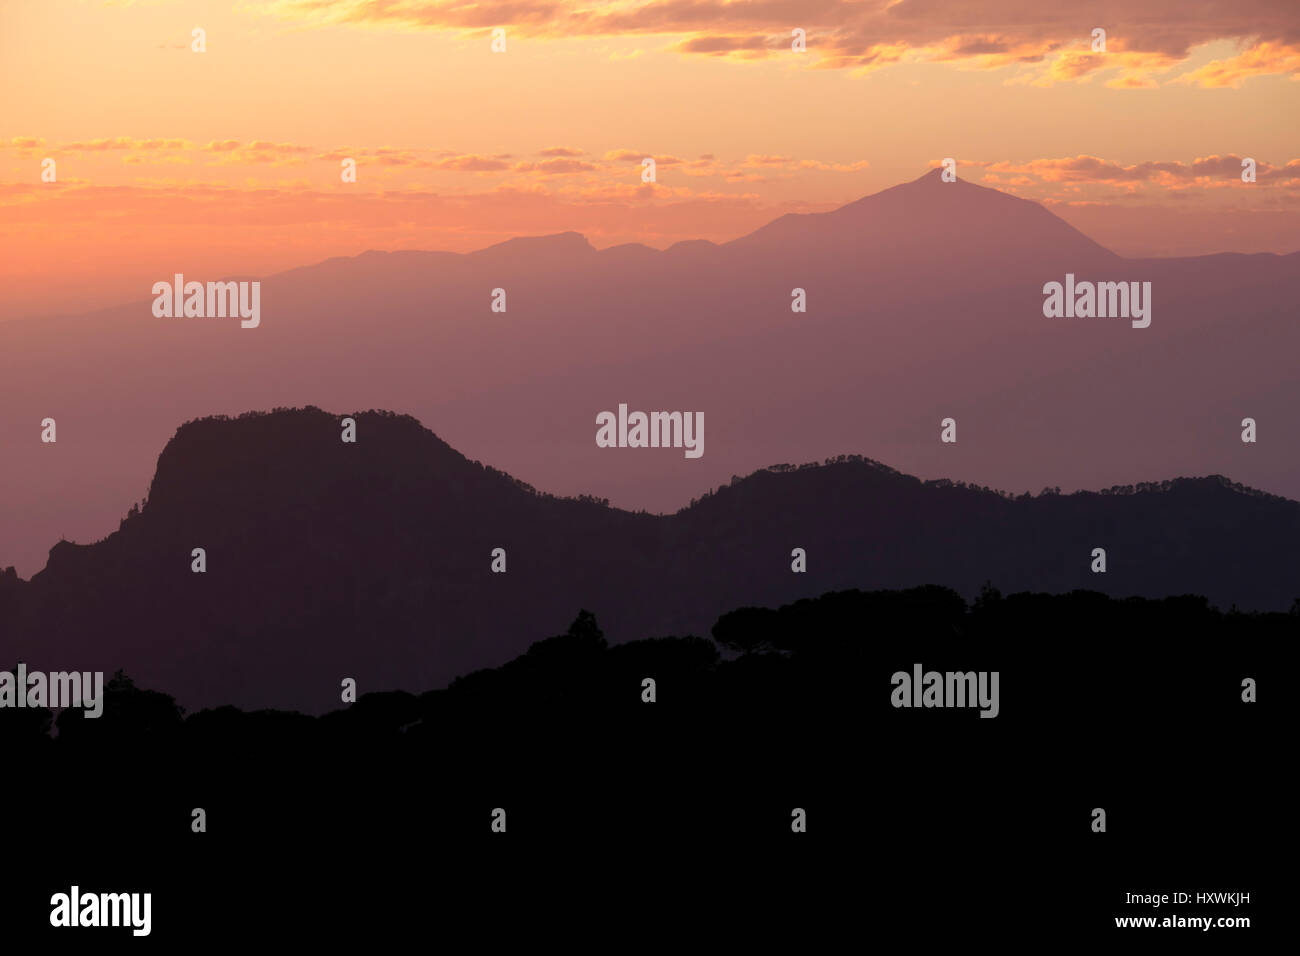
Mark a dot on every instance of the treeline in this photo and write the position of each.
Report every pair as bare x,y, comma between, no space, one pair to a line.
1142,487
811,658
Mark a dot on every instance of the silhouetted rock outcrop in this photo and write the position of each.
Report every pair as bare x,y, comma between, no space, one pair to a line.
328,560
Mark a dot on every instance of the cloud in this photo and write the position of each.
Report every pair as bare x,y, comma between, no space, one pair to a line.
264,146
752,46
556,166
757,160
233,153
472,164
125,142
865,35
1213,182
1263,59
551,160
1093,169
394,156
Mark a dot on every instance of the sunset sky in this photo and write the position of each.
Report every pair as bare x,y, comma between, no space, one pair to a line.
227,162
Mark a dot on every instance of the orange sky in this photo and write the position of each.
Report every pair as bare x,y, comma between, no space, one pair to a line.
227,161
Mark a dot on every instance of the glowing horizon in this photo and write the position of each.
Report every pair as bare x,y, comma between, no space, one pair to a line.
231,157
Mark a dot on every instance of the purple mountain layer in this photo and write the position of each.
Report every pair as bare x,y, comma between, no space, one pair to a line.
924,302
373,560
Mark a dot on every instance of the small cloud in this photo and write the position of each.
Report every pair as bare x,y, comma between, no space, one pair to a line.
557,166
472,164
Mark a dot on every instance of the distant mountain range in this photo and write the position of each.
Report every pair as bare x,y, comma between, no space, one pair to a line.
924,302
372,560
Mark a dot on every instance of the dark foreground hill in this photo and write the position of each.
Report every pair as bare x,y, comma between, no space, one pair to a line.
328,560
386,806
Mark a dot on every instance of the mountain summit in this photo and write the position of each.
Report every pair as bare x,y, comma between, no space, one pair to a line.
972,227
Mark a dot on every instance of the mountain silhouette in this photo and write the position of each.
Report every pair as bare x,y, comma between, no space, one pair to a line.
327,560
924,301
569,744
989,234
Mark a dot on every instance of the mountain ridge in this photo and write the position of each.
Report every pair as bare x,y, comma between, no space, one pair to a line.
574,241
197,431
373,560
